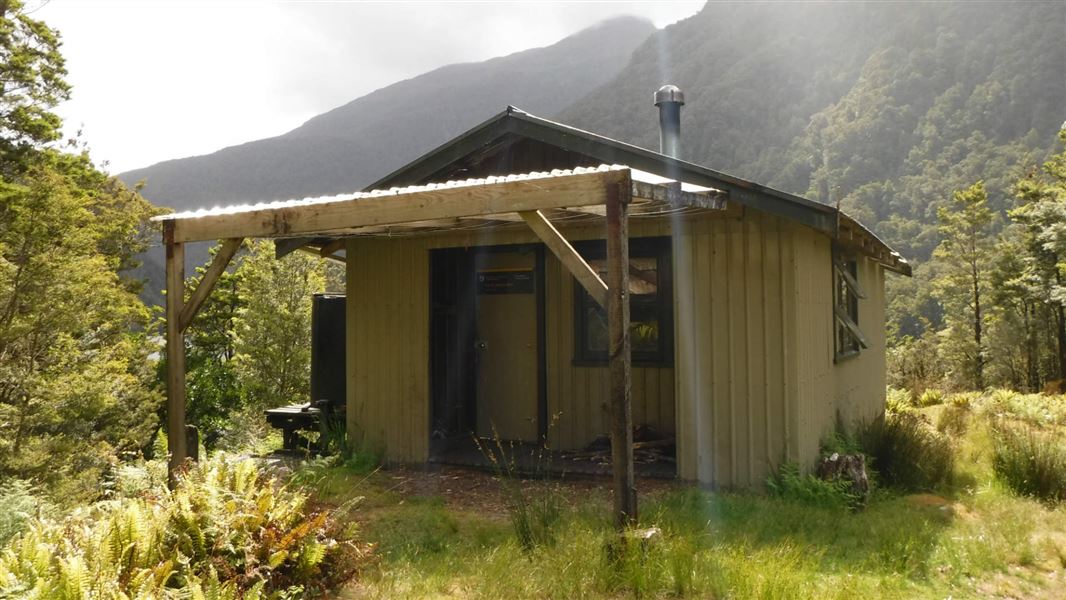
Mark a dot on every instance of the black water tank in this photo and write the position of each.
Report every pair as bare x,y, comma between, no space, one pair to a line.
327,349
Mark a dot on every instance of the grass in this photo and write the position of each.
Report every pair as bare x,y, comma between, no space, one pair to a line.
972,538
1030,462
906,453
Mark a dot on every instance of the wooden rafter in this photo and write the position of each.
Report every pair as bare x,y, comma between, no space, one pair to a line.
585,274
218,266
331,248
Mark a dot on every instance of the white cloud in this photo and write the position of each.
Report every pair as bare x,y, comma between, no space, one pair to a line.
155,80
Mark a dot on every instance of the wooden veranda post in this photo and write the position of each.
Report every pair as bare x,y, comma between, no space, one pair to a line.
175,353
625,493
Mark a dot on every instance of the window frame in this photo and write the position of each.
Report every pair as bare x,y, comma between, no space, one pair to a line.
845,316
660,249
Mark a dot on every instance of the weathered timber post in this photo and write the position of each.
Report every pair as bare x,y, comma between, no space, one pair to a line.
175,353
625,493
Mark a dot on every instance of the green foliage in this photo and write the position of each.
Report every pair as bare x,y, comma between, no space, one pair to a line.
1029,461
789,483
906,453
20,502
897,401
1041,410
273,325
964,255
931,397
534,514
953,420
75,378
1004,322
228,531
32,71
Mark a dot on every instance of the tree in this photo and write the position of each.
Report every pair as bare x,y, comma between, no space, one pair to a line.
965,251
31,85
74,338
1042,217
214,392
273,327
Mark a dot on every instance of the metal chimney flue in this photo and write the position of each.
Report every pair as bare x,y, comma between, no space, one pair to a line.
669,99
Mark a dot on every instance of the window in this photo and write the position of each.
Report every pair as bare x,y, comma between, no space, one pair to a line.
846,294
651,325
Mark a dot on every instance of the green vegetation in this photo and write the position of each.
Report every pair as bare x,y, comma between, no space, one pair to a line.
228,531
1030,462
972,536
250,346
789,482
76,386
906,453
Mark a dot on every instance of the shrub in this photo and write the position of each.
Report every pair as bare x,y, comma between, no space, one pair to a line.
953,420
963,400
897,401
906,453
20,502
931,397
1035,409
790,483
1030,462
228,530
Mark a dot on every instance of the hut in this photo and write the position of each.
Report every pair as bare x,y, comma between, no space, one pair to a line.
554,285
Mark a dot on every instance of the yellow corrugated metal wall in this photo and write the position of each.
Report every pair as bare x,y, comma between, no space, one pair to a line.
388,347
578,395
854,387
753,382
756,381
730,281
388,341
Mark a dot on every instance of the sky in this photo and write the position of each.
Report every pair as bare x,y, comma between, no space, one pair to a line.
160,79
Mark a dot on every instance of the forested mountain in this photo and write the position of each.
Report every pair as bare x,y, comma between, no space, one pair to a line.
348,147
885,108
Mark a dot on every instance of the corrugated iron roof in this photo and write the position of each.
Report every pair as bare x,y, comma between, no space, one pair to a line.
640,177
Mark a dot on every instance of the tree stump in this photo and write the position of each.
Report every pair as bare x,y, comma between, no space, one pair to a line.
850,468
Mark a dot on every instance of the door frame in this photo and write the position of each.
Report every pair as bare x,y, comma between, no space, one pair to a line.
540,279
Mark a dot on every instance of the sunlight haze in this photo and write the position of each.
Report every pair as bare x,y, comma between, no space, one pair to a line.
157,80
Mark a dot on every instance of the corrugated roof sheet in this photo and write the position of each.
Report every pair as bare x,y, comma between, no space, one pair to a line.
637,175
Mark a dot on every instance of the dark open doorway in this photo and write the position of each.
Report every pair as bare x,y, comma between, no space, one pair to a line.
487,347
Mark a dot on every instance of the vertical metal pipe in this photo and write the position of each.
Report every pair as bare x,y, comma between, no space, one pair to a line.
669,99
175,354
625,494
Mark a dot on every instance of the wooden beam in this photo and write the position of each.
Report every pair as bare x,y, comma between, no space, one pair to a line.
218,266
318,254
331,248
581,189
625,493
175,268
585,274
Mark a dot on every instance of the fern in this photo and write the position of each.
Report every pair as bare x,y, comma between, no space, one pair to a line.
227,532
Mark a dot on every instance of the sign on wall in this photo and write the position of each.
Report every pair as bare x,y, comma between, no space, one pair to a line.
505,281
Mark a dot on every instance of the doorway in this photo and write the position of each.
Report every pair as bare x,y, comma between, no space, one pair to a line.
487,360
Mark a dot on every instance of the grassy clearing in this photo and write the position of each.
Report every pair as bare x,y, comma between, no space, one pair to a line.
447,535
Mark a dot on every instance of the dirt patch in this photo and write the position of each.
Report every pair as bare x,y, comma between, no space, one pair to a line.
479,491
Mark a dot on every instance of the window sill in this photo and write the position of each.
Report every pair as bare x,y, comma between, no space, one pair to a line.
845,356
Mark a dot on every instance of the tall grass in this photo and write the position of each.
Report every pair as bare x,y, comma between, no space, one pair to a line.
1030,462
907,454
534,513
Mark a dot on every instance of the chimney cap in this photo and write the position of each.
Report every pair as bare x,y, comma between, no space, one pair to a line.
669,93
